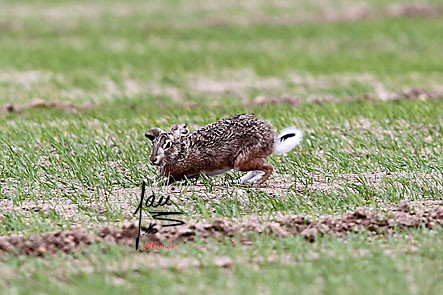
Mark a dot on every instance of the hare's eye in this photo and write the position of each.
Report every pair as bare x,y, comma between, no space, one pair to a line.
167,145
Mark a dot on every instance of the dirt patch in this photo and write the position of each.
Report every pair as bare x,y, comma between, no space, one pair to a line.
347,14
25,79
41,104
279,185
121,202
394,10
361,220
380,95
288,100
410,94
415,9
373,179
243,80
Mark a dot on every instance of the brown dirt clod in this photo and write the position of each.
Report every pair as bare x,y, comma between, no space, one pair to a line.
361,219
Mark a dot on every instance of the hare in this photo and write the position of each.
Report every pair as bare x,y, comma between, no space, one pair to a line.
179,130
241,142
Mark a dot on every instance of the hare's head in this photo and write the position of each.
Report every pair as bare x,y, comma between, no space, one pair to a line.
164,146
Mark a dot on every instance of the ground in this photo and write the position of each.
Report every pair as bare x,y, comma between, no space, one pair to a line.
357,208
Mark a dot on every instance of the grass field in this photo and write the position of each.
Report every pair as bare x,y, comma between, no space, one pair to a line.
81,82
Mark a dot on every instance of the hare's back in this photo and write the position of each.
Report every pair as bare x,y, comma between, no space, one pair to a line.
234,131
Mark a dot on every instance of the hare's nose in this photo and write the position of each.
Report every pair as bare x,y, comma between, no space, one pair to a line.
155,160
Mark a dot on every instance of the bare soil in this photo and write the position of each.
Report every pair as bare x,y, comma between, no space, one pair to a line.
352,14
381,94
41,104
407,215
123,201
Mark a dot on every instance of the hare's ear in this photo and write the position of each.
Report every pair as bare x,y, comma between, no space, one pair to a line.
176,127
177,130
153,133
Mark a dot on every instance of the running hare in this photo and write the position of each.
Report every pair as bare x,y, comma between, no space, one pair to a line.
241,142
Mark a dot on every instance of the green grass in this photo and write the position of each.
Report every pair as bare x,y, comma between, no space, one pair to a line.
66,158
308,47
142,64
408,264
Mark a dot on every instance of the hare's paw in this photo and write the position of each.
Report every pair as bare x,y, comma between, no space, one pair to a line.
251,177
247,176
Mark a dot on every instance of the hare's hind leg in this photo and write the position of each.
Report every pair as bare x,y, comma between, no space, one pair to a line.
267,169
252,176
252,165
248,176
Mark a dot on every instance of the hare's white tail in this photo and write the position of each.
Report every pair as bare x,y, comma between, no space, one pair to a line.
287,140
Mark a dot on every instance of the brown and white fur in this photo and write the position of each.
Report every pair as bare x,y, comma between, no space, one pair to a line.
241,142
